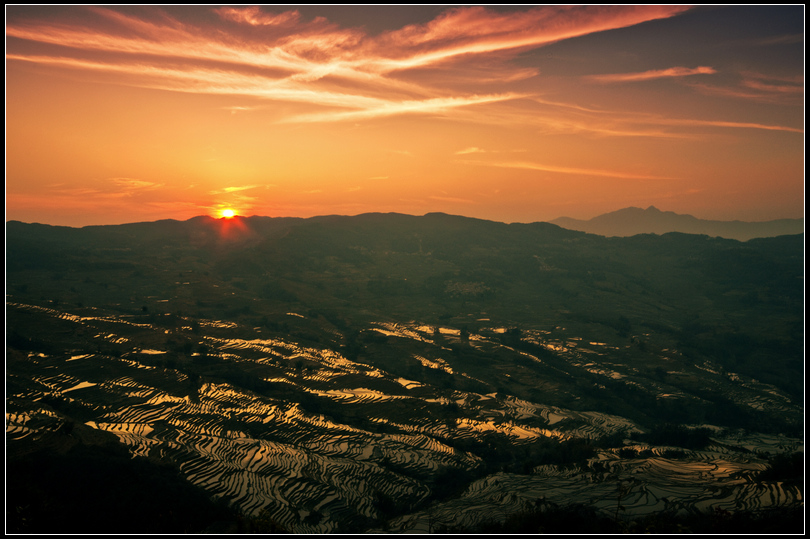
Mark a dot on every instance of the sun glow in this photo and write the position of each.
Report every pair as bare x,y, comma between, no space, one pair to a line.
227,213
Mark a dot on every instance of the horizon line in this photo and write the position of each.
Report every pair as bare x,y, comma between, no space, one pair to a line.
551,221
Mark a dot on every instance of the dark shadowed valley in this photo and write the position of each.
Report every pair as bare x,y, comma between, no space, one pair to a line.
392,373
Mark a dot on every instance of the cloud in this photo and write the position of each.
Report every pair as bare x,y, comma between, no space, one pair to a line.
254,16
471,149
352,76
454,200
476,30
787,39
573,170
652,74
427,106
757,84
722,123
236,109
774,88
280,57
753,86
603,122
107,193
110,188
241,188
135,184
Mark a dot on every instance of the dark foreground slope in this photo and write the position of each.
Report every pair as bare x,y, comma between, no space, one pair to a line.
395,372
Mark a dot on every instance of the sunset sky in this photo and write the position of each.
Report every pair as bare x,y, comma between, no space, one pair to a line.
128,114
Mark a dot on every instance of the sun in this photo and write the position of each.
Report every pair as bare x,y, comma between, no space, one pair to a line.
227,213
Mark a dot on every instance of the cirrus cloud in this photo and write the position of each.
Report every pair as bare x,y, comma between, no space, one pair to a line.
652,74
280,57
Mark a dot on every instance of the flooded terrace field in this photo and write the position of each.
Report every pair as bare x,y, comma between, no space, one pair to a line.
399,429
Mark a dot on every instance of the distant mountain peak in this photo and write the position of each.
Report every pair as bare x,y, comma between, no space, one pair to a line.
632,220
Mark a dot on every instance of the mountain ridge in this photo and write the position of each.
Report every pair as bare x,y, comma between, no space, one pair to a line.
625,222
632,220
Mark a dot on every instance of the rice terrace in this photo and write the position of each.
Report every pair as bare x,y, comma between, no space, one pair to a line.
475,384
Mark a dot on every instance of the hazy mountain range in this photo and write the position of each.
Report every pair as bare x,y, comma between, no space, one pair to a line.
632,221
388,372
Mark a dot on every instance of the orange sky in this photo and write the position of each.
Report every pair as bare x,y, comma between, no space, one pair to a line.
118,115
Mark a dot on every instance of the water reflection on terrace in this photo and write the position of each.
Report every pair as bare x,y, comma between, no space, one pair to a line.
408,384
401,330
81,385
437,363
218,324
292,351
358,395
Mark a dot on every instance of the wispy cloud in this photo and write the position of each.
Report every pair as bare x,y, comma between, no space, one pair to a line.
471,149
573,170
653,74
238,109
278,56
618,123
786,39
454,200
108,189
108,194
132,184
721,123
476,30
254,16
234,189
384,109
759,87
353,76
474,149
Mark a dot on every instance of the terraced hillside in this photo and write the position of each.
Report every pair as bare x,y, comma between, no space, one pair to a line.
317,402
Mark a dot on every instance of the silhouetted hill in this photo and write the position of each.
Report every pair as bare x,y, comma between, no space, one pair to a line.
431,268
632,221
